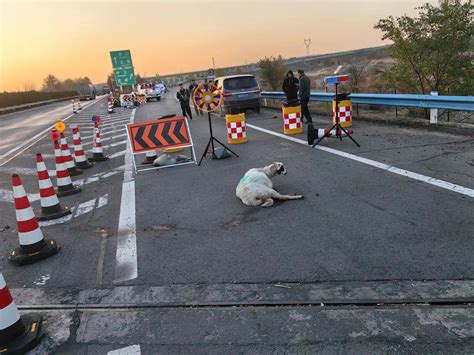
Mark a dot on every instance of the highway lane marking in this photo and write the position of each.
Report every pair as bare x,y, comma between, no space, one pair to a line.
77,211
392,169
5,158
129,350
7,195
25,171
126,267
106,133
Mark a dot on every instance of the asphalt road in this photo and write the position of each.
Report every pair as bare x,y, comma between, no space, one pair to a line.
170,260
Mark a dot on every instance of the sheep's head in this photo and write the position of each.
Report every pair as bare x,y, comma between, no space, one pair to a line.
277,168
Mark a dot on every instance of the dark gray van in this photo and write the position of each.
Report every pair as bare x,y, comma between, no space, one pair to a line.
240,93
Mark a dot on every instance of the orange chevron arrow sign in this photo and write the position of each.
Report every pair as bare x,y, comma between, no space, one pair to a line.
163,133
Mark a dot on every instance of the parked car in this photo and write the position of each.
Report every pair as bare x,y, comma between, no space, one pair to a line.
86,91
240,93
151,91
162,87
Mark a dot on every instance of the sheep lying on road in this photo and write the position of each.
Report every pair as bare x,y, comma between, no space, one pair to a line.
256,188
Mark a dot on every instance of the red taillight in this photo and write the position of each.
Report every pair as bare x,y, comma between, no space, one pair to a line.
226,93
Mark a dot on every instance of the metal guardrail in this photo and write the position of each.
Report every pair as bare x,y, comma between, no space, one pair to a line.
458,103
9,109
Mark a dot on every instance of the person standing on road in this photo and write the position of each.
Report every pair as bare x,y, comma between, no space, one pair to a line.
305,92
182,96
191,89
290,88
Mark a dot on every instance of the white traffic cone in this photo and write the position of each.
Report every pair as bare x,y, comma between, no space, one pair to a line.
73,106
98,150
67,157
63,179
18,334
79,156
33,246
50,206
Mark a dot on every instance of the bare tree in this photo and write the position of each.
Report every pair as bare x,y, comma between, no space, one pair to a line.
29,86
357,74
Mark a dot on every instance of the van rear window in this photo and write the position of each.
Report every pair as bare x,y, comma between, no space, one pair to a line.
245,82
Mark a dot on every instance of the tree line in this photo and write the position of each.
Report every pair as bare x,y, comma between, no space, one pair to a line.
52,83
431,52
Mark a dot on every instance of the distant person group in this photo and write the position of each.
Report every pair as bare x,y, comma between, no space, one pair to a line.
298,92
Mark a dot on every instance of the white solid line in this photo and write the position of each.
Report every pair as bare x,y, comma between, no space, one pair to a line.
33,140
126,267
423,178
129,350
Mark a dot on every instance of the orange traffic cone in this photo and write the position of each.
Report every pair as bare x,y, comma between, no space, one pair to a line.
50,206
18,334
63,179
33,246
67,157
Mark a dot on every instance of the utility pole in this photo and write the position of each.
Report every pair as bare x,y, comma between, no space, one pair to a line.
213,64
307,43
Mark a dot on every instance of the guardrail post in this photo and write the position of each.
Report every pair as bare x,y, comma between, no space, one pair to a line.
434,111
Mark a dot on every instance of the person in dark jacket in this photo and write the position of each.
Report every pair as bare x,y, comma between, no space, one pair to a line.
191,89
305,92
290,88
182,96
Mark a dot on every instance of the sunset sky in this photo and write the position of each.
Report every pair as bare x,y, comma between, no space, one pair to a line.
73,38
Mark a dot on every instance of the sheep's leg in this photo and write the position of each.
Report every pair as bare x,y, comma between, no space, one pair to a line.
267,202
281,197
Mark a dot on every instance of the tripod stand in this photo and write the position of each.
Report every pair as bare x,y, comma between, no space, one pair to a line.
337,125
211,143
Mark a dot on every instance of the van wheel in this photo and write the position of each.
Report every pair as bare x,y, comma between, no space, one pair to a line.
158,99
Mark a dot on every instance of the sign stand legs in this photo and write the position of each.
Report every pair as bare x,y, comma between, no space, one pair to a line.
337,126
211,143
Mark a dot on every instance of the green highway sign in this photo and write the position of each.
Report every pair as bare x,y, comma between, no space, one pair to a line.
125,77
121,59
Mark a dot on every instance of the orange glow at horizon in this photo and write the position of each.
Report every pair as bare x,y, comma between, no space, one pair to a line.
72,39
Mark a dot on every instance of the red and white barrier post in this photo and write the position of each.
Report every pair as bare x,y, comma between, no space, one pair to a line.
81,160
50,206
63,179
67,157
97,150
33,246
18,334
